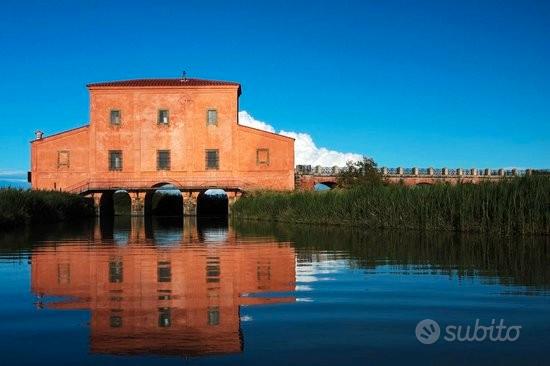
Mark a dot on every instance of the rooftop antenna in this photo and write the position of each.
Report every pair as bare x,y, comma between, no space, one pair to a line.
184,76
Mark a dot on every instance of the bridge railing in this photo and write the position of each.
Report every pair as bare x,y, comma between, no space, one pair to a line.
119,184
422,172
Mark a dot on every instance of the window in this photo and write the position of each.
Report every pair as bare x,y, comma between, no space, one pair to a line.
214,316
213,269
63,159
262,157
163,159
115,160
115,321
115,117
64,273
163,117
212,159
165,294
165,318
115,271
212,117
164,272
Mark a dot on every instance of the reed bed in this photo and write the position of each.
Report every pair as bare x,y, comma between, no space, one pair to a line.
519,205
19,207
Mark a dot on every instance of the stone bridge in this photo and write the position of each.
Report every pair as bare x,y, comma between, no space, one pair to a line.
306,176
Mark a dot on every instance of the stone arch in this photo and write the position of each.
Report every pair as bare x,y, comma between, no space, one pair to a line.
163,200
106,204
213,203
328,184
122,203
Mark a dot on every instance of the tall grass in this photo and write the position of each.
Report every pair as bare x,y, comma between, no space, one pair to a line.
20,207
520,205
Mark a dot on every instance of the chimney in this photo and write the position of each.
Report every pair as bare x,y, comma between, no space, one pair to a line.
39,134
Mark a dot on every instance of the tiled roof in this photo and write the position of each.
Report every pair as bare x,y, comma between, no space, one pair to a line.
162,82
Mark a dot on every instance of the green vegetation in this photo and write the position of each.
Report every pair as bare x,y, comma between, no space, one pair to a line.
360,173
19,207
519,205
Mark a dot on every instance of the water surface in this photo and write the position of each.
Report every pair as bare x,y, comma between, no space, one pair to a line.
173,291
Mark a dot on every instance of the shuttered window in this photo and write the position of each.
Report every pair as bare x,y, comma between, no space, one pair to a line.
163,160
115,117
212,117
163,117
212,159
115,160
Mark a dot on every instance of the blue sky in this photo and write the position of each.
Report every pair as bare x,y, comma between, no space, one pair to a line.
412,83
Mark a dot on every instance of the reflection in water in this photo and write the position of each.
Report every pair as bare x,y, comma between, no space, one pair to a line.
519,261
147,297
331,295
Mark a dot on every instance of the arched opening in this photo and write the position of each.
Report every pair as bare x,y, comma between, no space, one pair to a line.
122,203
324,186
213,203
106,204
165,200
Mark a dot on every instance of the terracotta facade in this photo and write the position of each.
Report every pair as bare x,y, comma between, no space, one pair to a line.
184,117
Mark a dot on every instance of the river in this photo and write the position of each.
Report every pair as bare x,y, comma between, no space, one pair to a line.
171,291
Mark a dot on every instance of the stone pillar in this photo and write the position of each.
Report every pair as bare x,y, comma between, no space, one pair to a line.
473,171
96,197
430,171
137,233
487,172
459,172
137,206
232,197
501,172
400,171
444,171
190,203
514,172
415,171
384,171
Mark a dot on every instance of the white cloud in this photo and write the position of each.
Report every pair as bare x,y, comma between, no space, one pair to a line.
305,150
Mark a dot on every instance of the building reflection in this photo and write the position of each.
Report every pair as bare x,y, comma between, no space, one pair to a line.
171,290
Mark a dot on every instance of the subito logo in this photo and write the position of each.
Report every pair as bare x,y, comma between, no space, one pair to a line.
427,331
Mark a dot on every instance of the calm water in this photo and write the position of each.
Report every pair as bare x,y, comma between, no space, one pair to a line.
172,292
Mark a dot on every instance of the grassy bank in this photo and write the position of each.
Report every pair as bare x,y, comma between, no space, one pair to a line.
520,205
20,207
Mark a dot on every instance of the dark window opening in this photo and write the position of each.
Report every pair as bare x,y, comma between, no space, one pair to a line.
164,294
115,117
115,271
165,318
212,159
214,316
115,321
115,160
164,272
163,117
163,160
